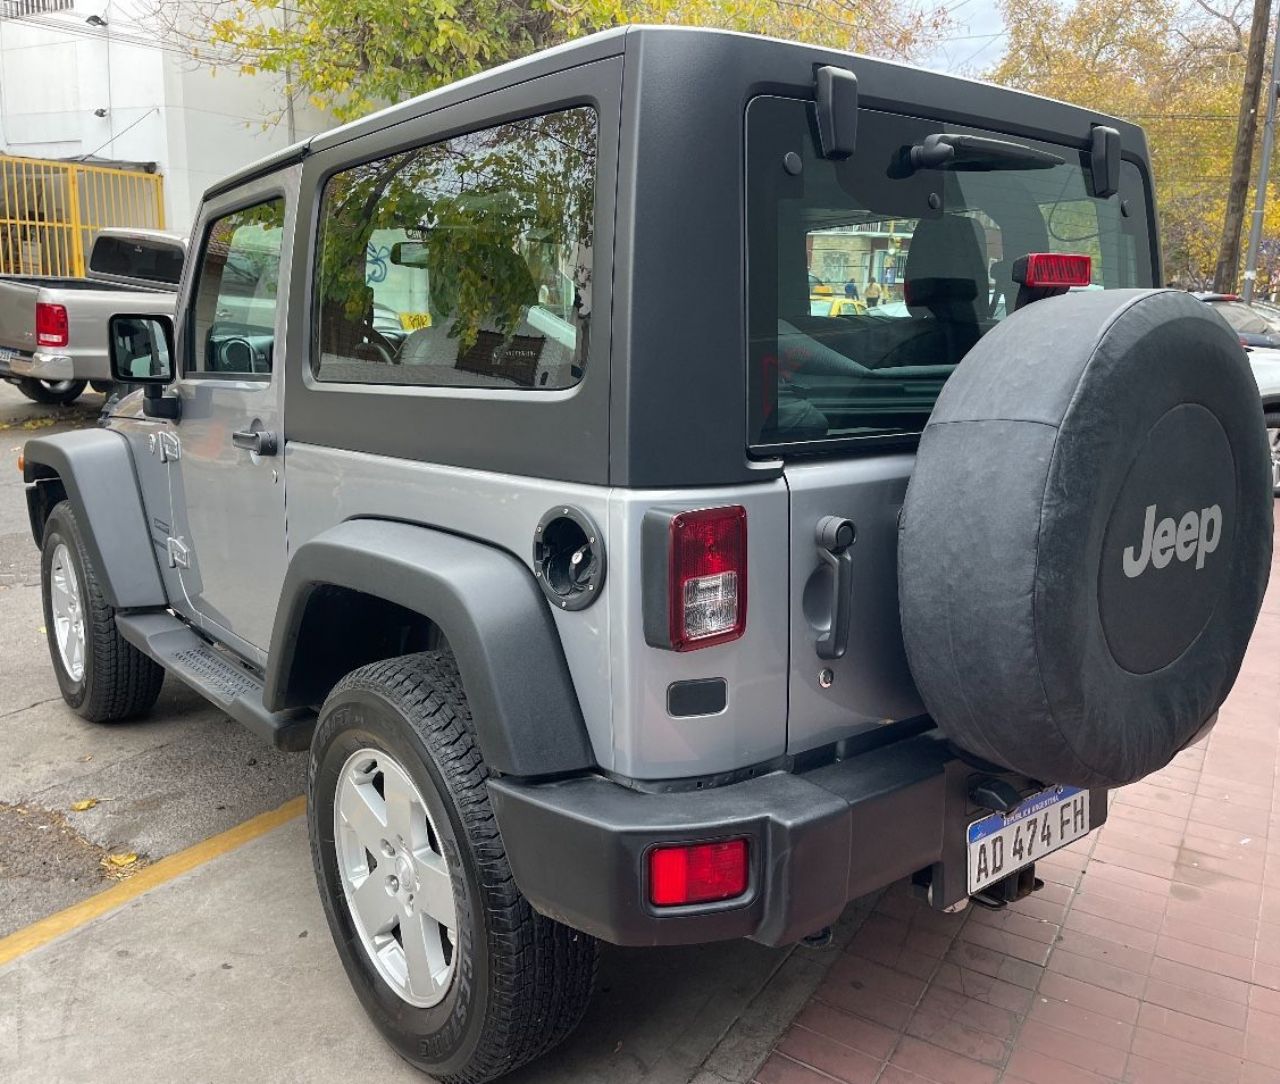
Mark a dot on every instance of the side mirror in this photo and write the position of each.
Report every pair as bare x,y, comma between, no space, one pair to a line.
141,349
409,254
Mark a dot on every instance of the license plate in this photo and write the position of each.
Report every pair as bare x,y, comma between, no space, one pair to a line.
1005,842
415,321
6,359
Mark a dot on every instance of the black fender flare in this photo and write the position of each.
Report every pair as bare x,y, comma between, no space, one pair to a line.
487,605
95,468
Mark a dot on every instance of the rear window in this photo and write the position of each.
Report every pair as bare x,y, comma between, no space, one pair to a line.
869,281
136,258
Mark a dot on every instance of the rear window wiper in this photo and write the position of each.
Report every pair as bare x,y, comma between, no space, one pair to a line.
944,150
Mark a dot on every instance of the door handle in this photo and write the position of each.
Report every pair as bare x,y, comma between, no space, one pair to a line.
258,441
835,539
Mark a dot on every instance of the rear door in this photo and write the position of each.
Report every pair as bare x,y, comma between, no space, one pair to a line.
842,398
227,479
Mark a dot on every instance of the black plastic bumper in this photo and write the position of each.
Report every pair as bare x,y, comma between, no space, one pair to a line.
818,840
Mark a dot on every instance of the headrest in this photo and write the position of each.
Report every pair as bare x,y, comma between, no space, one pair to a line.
946,271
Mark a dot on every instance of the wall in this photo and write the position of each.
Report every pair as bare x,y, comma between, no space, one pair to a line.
196,123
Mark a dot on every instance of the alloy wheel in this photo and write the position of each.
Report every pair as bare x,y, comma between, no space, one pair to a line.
395,878
68,612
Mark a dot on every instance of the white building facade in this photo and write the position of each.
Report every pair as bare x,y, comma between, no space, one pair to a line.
91,80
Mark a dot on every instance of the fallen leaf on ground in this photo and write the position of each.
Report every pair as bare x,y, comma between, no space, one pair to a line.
39,423
84,804
120,861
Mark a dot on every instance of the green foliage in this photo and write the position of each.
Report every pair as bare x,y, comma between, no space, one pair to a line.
350,58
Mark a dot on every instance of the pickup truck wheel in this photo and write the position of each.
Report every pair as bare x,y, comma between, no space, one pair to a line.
455,968
101,675
51,392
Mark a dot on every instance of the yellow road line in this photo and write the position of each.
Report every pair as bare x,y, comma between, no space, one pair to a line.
25,940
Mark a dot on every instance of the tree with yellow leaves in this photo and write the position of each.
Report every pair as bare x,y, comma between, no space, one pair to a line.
1176,72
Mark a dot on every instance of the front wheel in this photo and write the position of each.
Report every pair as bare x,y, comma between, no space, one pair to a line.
459,973
51,392
102,676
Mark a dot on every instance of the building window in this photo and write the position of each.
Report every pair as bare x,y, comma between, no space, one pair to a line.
16,9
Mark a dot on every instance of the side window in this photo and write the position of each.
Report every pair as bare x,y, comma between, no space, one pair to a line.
466,262
233,315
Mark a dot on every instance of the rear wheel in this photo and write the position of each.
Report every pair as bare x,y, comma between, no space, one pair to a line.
102,676
455,968
51,392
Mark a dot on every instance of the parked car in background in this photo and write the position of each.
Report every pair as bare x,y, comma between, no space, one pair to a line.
824,301
53,330
1265,363
1254,326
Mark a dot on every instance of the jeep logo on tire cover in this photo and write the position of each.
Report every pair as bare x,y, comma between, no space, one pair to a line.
1196,534
1169,539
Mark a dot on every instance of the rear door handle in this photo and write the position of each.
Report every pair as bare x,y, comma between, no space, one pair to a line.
258,441
835,538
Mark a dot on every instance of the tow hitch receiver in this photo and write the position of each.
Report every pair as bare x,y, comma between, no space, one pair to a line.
1009,889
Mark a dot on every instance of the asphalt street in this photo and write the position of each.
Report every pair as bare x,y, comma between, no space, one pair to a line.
227,971
160,784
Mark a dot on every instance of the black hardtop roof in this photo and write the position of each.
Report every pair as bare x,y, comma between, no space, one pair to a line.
761,63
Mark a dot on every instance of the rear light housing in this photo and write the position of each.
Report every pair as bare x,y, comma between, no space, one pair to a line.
1053,270
51,324
695,577
698,873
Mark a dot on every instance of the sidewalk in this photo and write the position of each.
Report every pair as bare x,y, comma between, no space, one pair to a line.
1151,955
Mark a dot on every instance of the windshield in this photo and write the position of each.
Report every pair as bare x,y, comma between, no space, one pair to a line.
869,280
1242,318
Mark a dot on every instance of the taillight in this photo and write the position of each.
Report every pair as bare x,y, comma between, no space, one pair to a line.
1053,270
698,873
51,324
707,601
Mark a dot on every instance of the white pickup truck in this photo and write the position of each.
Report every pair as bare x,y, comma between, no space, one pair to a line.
53,331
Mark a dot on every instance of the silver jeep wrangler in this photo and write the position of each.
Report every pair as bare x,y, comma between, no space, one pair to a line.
673,485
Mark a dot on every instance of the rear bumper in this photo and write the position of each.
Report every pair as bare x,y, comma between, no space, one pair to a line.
818,840
44,366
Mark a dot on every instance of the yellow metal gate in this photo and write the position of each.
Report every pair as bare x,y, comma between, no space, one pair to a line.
50,212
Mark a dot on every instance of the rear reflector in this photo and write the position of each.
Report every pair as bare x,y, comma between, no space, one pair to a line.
697,873
708,577
1050,270
51,324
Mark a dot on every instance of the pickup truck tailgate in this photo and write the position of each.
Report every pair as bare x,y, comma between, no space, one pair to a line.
18,315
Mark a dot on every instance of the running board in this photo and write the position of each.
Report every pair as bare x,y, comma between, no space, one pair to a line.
222,681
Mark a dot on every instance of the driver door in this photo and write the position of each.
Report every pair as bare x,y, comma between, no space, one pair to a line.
227,482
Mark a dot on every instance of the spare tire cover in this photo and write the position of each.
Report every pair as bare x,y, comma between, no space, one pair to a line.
1086,536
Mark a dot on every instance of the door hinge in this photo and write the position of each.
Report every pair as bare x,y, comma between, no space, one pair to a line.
165,445
178,553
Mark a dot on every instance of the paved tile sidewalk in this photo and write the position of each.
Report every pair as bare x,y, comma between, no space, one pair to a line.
1152,956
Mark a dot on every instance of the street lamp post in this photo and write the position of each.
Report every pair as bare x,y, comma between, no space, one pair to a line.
1264,171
